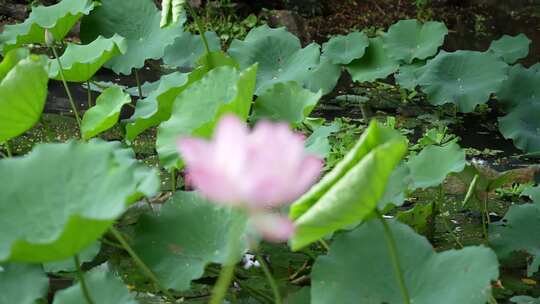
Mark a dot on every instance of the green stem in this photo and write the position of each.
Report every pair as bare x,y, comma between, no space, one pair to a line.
271,280
8,149
449,229
173,180
324,244
227,273
89,93
394,257
82,281
200,26
485,219
66,87
138,81
142,266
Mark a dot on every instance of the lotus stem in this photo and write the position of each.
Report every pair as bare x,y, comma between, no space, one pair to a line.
227,273
89,93
324,244
449,229
139,262
82,280
271,280
391,242
139,88
8,149
485,219
200,26
66,87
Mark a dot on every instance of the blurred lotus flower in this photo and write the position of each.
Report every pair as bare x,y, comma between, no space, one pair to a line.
256,170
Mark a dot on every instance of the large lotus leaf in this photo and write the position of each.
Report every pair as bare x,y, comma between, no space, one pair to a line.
23,91
188,233
409,74
521,88
279,55
398,183
77,191
376,64
523,127
22,283
157,107
535,68
103,288
344,49
465,78
58,19
511,49
351,191
518,232
68,265
81,62
533,193
448,159
318,142
188,48
324,77
358,270
286,101
104,115
198,108
409,39
138,22
418,218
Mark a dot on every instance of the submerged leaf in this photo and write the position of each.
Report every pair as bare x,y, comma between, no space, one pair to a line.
357,270
81,62
23,92
465,78
139,22
340,199
104,115
78,190
376,64
181,246
58,19
409,39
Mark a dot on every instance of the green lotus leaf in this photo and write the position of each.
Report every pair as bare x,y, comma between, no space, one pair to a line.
198,108
517,232
279,55
357,270
344,49
104,115
286,101
340,199
408,75
522,126
103,288
302,296
418,218
188,48
465,78
68,265
324,77
410,39
172,11
533,193
449,159
58,19
23,92
80,190
521,88
22,283
81,62
318,143
525,300
511,48
139,22
535,68
181,246
398,183
376,64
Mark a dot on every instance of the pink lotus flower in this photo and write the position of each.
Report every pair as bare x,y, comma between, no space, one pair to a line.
256,171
